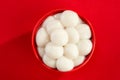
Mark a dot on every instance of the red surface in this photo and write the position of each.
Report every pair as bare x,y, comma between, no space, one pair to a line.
18,18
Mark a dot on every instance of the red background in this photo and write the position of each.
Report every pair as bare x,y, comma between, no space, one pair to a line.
18,18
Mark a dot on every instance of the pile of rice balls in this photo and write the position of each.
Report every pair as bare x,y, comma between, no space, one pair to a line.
63,41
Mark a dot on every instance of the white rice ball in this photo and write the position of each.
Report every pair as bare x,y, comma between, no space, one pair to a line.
79,60
42,37
41,51
57,16
64,64
84,47
84,31
73,35
53,25
49,61
53,51
59,37
71,51
69,18
47,20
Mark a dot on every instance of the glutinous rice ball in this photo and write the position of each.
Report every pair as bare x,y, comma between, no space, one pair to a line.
71,51
49,61
42,37
64,64
59,37
84,47
69,18
53,51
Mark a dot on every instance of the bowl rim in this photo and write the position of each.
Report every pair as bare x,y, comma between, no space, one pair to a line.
37,26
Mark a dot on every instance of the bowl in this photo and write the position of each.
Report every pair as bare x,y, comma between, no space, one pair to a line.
34,46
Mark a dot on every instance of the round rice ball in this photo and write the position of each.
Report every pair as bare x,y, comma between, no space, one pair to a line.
84,31
49,61
53,25
64,64
53,51
73,35
42,37
79,60
71,51
47,20
69,18
41,51
59,37
84,47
